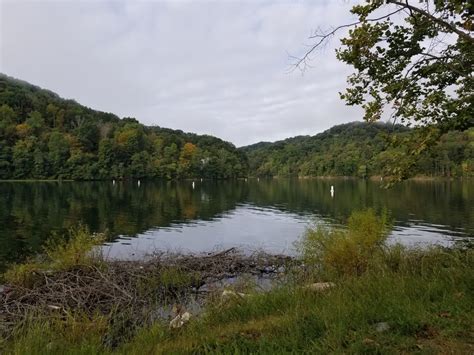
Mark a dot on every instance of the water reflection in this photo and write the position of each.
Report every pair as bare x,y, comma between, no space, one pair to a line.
268,213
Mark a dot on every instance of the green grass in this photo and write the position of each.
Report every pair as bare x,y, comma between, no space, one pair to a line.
426,296
426,299
59,254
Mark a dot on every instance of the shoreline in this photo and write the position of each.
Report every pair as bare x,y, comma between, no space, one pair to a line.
322,177
336,295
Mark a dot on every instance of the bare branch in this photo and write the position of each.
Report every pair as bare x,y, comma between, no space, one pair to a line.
325,36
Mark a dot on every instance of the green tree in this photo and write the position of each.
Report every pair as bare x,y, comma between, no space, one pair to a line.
140,166
58,148
5,160
107,157
88,135
413,59
35,122
7,122
52,112
23,158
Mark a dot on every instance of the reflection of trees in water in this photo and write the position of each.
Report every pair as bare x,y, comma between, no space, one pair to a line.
29,212
439,202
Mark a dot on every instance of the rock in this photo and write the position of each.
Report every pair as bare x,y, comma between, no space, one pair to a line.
268,269
382,327
203,288
5,290
281,269
227,294
186,316
180,320
320,286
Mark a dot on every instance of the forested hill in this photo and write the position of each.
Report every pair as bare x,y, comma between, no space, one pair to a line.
358,149
45,136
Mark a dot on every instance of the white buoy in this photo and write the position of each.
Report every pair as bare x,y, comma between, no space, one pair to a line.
193,185
138,183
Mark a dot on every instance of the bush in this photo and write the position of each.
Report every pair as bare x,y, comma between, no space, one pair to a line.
346,251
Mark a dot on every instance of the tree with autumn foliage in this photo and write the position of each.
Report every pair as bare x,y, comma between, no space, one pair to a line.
43,136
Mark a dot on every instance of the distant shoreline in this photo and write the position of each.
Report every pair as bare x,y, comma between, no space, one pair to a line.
371,178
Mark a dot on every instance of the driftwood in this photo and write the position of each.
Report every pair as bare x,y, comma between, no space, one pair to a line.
129,289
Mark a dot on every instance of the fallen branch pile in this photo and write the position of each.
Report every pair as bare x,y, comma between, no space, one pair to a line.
125,289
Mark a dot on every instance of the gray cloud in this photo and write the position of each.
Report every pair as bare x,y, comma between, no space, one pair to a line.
214,67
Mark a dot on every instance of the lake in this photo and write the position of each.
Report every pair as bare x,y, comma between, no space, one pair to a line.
268,214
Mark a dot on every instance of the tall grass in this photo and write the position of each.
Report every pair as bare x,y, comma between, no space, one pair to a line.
422,297
79,247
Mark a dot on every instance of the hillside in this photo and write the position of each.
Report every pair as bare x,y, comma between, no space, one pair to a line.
357,149
43,136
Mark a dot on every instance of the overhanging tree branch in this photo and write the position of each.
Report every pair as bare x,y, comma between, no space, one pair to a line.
439,21
324,36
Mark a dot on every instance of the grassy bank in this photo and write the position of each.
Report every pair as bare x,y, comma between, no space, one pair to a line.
382,299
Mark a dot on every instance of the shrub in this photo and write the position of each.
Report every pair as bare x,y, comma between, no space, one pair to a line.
346,251
78,249
59,254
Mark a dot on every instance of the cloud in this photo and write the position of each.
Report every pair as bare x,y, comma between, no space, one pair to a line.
214,67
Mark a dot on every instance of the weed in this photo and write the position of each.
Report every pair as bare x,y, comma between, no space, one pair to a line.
60,253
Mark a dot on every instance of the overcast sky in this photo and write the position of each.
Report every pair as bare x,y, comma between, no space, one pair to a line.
215,67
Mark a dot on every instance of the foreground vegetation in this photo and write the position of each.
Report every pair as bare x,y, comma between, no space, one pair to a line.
382,299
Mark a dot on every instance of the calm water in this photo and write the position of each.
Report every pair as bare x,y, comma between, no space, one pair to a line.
267,214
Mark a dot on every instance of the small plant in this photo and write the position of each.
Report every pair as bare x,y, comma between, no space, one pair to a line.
22,274
346,251
59,254
78,249
174,277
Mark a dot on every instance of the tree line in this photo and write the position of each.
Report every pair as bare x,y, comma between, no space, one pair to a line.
361,149
43,136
